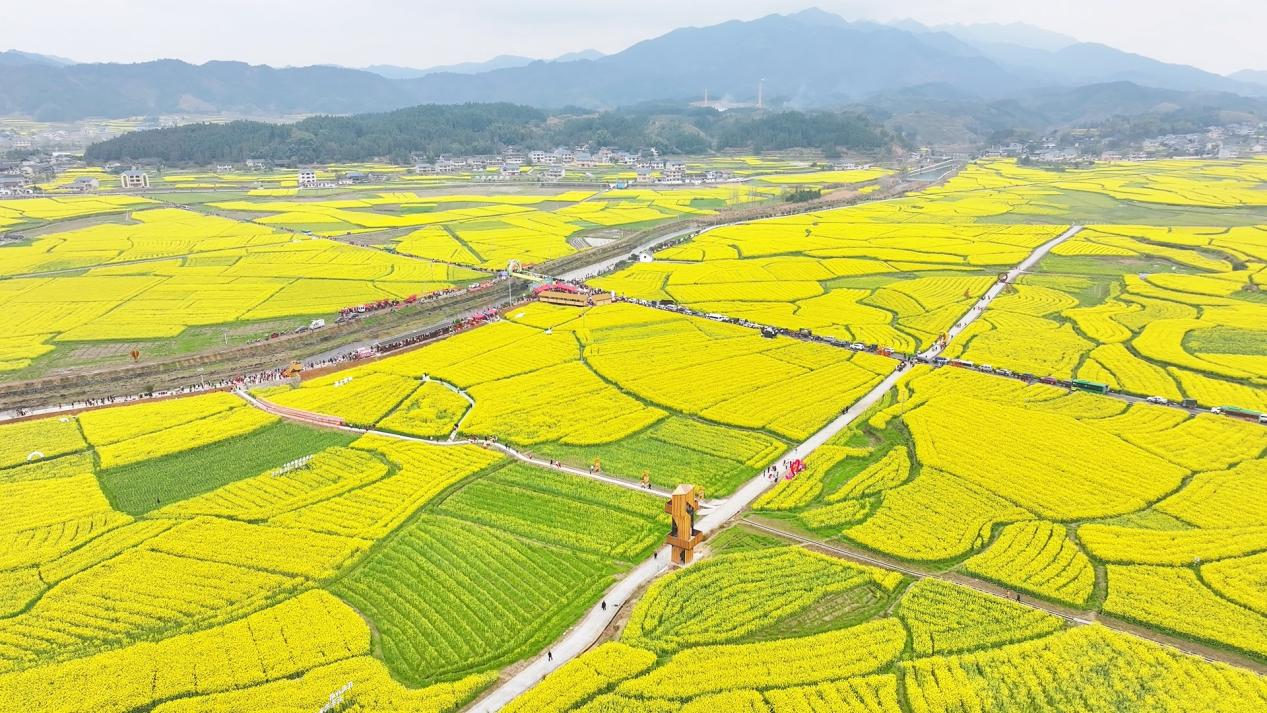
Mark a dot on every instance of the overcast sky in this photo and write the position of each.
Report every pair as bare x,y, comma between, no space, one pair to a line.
1218,35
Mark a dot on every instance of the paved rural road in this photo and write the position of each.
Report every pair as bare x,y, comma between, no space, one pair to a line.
580,273
582,636
997,288
324,421
598,268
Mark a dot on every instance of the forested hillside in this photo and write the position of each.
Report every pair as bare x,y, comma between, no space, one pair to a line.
433,130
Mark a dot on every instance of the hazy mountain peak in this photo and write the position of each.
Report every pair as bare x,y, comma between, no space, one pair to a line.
818,16
590,54
1252,76
501,61
808,59
1013,33
13,58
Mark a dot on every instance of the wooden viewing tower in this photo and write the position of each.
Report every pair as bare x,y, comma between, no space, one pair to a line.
683,536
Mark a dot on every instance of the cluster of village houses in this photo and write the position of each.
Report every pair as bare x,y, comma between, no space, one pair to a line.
20,178
555,165
1242,140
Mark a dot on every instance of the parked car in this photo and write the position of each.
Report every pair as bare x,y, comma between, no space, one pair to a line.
1157,400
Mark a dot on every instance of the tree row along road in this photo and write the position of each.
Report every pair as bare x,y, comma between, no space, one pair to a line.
588,631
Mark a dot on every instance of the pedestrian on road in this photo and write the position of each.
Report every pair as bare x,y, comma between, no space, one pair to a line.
604,605
549,655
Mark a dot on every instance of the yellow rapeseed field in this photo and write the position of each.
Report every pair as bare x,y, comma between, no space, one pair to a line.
199,554
169,270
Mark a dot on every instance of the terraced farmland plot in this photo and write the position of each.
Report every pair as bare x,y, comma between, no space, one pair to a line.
836,274
449,596
312,630
962,642
503,565
16,213
248,535
1160,193
489,230
200,555
634,388
170,271
1033,486
1189,328
551,507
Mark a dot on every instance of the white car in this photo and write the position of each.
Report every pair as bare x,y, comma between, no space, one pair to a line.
986,368
1003,372
858,346
1157,400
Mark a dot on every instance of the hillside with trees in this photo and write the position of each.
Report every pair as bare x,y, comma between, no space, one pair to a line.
434,130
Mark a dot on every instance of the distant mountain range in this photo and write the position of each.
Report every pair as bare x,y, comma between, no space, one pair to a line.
810,59
501,61
15,58
1251,76
1016,33
938,114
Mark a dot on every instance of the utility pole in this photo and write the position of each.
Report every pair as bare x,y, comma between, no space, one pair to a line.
511,266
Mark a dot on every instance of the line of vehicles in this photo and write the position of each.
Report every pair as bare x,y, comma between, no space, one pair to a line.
939,361
1096,387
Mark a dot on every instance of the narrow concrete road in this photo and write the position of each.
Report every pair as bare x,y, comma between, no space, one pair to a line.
579,639
582,636
323,421
582,273
470,406
78,406
997,288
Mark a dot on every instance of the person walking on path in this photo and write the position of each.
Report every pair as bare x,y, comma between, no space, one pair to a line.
604,605
549,655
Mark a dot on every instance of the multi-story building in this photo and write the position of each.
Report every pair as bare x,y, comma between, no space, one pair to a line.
134,179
